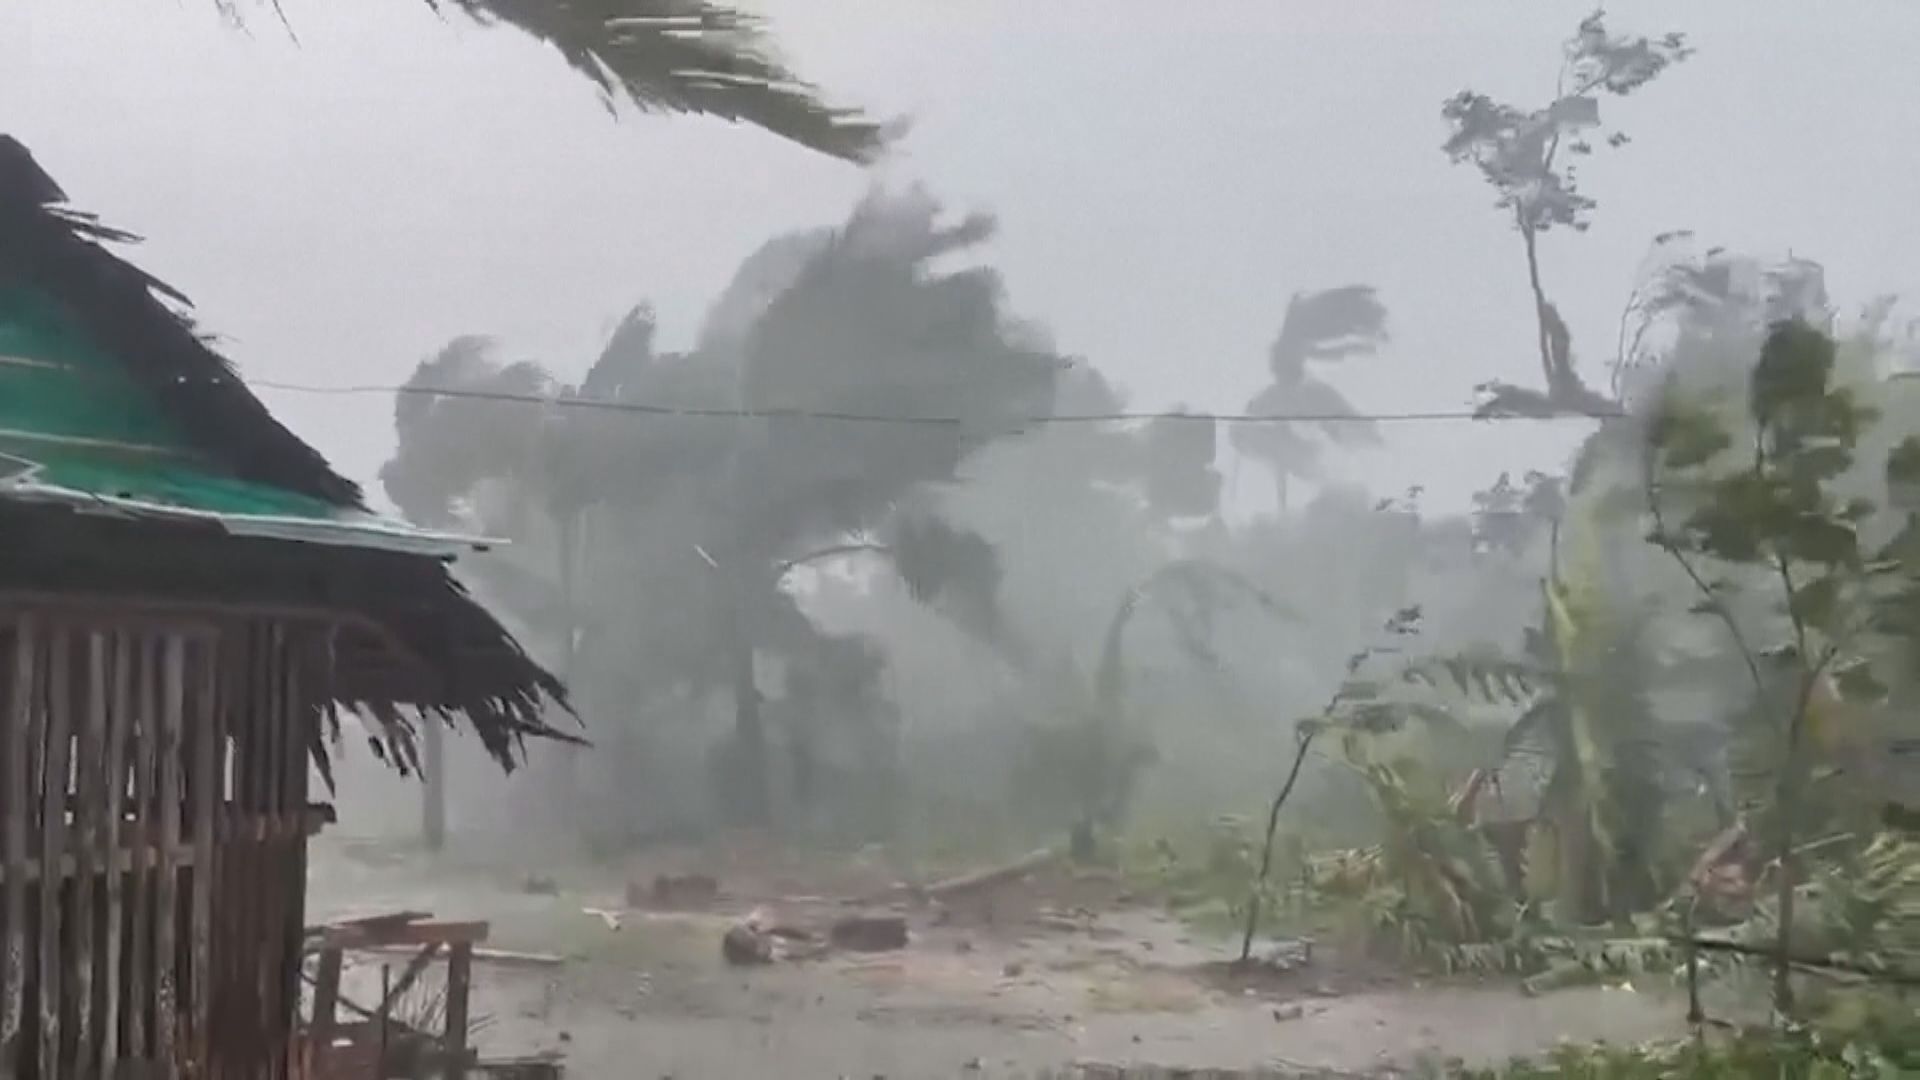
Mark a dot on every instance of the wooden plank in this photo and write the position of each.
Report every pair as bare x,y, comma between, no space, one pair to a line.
138,1002
411,935
53,844
13,832
505,957
459,985
119,717
166,890
201,781
90,859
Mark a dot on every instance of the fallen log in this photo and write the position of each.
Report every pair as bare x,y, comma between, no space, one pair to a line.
996,875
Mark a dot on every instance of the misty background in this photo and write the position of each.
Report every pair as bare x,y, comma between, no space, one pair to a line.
342,201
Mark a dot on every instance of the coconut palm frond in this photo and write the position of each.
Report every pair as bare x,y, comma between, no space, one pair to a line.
673,56
683,56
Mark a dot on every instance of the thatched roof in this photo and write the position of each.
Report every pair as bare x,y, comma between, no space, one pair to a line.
135,462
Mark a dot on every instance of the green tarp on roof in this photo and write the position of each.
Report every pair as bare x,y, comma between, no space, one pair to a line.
76,428
55,382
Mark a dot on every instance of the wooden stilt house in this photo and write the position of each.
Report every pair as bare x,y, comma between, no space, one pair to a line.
188,593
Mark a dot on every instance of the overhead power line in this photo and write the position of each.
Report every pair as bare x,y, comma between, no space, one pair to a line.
650,409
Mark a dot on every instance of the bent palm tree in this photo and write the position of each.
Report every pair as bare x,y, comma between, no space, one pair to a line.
1319,327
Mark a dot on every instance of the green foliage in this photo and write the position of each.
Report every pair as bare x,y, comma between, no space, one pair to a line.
1431,890
1519,152
1760,498
1887,1051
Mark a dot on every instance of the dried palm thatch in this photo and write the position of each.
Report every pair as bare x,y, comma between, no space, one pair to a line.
419,646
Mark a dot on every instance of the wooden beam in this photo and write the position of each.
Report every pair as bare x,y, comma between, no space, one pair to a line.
419,933
459,985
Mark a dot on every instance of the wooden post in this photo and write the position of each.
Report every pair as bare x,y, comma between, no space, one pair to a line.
459,983
19,720
326,999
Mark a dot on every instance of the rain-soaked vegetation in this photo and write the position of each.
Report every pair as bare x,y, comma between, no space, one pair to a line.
868,593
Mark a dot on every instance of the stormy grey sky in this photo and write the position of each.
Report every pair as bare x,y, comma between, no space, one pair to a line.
342,205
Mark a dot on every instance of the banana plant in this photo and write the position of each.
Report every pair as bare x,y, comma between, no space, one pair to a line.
1579,688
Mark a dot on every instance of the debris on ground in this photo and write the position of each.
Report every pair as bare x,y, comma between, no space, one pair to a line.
675,892
869,933
1073,921
539,885
758,939
996,875
611,918
380,1039
744,945
1278,957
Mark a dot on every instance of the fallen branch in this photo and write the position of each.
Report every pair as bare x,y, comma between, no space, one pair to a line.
1817,963
997,875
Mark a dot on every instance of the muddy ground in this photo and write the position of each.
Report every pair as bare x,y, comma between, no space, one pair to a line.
1063,969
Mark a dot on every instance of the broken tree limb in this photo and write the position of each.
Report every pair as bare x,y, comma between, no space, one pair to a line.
997,875
1889,976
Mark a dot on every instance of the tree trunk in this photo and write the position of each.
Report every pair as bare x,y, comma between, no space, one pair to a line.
433,790
1530,242
1579,881
1786,806
749,779
566,796
1266,849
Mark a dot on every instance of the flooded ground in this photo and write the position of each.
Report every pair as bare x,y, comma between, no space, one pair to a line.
1022,980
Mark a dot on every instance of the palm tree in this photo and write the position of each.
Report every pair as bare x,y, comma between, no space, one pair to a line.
849,321
673,56
1318,328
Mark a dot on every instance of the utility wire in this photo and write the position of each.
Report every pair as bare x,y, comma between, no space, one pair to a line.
1416,416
